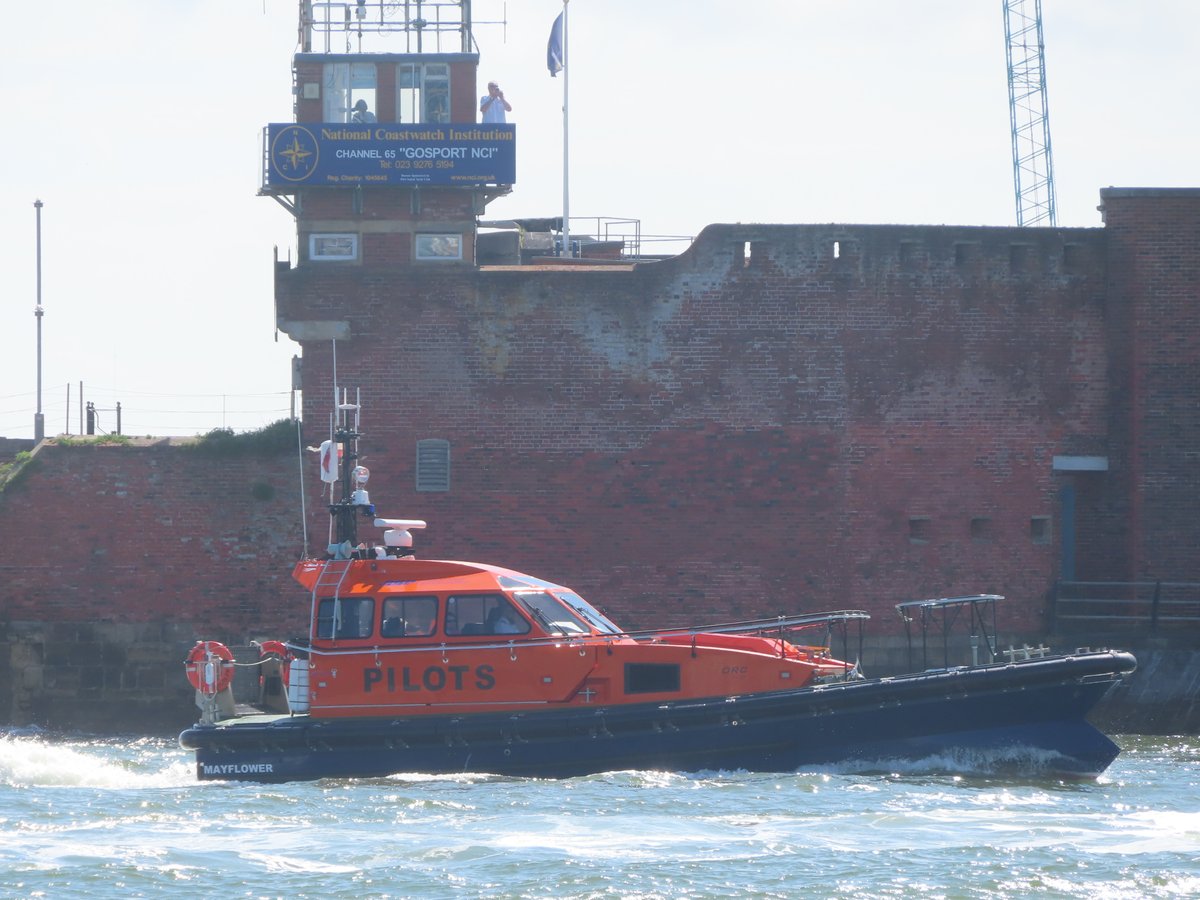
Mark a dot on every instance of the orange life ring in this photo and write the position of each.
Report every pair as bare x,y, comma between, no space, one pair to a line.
209,667
279,650
266,648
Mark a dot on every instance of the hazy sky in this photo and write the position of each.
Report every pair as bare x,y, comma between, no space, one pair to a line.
138,124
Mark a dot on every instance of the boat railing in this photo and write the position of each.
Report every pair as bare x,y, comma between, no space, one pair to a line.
756,626
940,618
834,622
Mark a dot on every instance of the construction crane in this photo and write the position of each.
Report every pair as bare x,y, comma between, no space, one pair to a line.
1033,165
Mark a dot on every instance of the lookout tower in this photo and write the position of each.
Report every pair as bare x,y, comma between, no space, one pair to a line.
386,164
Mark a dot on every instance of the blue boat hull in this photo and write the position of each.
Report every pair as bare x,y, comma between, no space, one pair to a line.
1027,717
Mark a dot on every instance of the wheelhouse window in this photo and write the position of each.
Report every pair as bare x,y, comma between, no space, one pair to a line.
587,612
345,85
424,92
345,618
480,614
552,614
408,617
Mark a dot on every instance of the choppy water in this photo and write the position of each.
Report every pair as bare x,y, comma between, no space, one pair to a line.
111,818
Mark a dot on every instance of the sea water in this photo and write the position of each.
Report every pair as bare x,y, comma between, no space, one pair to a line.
126,818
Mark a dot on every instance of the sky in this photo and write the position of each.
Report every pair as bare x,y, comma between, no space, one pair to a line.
138,124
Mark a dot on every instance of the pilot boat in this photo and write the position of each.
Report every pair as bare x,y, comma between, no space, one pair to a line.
435,666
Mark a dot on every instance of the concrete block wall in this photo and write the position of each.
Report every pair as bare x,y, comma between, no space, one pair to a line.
96,677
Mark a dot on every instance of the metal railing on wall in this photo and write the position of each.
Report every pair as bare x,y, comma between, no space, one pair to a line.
1117,605
635,243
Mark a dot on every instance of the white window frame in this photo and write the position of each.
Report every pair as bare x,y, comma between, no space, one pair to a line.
413,99
327,247
428,247
345,84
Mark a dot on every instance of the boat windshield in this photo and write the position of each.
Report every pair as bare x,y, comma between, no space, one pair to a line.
594,617
551,613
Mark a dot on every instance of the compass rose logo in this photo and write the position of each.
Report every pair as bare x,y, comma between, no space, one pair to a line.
294,153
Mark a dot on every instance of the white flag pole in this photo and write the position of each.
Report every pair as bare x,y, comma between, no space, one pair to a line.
566,222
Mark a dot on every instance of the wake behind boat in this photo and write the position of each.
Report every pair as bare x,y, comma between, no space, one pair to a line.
435,666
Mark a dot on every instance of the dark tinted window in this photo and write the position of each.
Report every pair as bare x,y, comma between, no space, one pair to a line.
651,678
472,613
347,618
408,617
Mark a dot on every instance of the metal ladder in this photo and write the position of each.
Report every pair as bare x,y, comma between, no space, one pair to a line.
333,573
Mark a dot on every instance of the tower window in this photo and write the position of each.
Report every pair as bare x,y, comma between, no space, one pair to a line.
424,92
327,247
439,246
345,85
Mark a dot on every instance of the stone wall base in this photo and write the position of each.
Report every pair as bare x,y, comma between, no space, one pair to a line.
129,679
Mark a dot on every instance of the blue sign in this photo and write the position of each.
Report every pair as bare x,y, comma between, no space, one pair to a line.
316,153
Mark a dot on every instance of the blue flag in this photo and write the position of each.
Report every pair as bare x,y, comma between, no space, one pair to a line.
554,51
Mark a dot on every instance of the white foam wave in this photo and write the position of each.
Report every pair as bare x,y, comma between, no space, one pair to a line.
30,761
286,865
959,761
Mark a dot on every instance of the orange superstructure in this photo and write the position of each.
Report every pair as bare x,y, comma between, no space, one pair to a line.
401,635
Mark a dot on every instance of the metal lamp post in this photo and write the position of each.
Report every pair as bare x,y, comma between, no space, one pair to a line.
39,421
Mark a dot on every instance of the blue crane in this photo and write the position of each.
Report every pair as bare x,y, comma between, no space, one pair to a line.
1033,165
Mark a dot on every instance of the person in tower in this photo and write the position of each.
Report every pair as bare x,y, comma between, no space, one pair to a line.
493,106
362,115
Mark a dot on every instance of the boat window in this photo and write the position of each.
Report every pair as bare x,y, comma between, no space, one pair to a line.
550,612
408,617
479,614
651,678
593,616
345,618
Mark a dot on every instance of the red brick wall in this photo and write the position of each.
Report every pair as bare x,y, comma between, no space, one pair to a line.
1153,239
154,533
721,436
464,102
707,438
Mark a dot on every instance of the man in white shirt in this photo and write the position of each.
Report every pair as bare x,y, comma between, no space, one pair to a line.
493,106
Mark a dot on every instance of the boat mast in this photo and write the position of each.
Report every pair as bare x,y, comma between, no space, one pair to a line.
354,500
